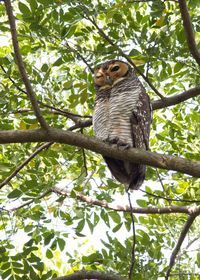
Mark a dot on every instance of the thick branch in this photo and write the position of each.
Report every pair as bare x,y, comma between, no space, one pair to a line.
21,66
180,241
91,143
189,31
84,274
112,206
176,99
24,163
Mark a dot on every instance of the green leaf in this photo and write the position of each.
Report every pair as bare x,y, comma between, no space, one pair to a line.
141,202
49,254
116,228
115,217
15,194
61,243
80,226
24,9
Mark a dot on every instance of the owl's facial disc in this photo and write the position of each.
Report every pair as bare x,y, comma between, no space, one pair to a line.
117,71
99,77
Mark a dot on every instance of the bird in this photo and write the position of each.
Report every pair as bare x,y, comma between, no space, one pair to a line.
122,116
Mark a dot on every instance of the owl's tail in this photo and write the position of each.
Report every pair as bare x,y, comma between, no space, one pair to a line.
130,174
137,176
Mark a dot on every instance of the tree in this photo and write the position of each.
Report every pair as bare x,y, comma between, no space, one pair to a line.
55,188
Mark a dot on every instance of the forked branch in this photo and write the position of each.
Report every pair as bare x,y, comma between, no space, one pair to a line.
20,64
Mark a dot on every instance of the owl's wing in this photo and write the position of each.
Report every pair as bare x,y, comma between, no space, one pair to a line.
140,122
140,127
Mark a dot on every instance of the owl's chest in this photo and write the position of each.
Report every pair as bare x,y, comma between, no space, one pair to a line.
122,103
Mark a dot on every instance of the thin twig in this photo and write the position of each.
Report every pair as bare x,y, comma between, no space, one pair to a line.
24,163
84,157
79,55
184,231
72,116
189,31
171,199
20,64
134,239
31,201
102,33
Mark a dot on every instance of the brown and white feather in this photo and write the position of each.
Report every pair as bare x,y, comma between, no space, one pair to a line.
122,111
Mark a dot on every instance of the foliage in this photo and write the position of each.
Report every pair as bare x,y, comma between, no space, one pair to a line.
45,233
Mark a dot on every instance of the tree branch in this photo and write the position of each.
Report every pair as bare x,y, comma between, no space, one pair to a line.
24,163
91,143
149,210
172,209
180,241
189,31
74,117
84,274
31,201
171,199
176,99
103,35
21,66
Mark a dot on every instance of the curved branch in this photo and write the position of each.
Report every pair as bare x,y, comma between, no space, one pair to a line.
180,241
93,144
172,209
20,64
24,163
176,99
137,210
90,274
189,31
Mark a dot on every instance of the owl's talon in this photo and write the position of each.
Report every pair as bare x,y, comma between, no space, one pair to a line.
123,146
112,140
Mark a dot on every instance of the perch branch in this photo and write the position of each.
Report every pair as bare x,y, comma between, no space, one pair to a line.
24,163
84,274
93,144
189,31
184,231
21,66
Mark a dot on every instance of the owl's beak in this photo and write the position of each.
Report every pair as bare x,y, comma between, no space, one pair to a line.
109,80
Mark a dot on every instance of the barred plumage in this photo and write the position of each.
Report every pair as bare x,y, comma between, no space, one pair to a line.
122,115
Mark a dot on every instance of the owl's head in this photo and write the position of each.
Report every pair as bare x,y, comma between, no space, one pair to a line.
108,74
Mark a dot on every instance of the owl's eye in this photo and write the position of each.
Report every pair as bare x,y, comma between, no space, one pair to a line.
115,68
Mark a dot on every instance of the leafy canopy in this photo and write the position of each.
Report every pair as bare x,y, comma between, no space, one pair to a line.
46,228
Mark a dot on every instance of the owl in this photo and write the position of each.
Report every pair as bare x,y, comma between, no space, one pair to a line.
122,116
